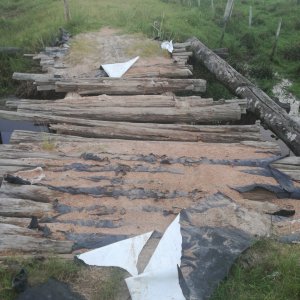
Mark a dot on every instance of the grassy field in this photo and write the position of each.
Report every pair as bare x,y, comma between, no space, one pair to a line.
33,24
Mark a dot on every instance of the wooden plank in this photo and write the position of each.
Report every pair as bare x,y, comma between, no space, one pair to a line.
203,115
115,101
9,229
212,134
12,207
34,77
22,222
130,86
28,192
289,166
28,138
273,116
27,244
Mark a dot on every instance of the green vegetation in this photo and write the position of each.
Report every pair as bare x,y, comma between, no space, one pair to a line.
32,24
267,271
93,283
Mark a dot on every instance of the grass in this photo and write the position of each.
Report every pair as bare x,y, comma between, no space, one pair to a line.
267,271
93,283
39,21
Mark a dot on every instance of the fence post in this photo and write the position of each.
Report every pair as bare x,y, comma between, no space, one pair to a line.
67,11
276,39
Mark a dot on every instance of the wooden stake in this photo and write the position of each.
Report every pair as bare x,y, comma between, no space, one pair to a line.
276,39
250,16
67,11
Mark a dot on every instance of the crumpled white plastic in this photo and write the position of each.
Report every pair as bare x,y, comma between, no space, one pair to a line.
168,46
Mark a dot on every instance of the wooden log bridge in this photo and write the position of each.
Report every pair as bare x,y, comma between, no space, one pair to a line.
259,103
123,156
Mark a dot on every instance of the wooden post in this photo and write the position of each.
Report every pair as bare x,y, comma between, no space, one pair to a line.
276,39
227,15
259,103
212,6
67,11
250,16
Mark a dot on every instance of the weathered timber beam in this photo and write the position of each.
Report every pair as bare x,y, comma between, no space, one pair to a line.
139,133
289,165
203,115
259,103
28,244
22,222
34,77
29,138
112,101
130,86
28,192
12,207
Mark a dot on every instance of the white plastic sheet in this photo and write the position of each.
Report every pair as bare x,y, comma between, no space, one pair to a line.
119,69
168,46
123,254
160,277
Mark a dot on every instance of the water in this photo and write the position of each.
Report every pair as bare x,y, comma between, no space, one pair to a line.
7,127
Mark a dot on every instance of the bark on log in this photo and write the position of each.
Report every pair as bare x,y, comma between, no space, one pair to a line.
290,166
259,103
12,207
43,78
22,222
23,137
202,115
8,229
208,134
130,86
28,192
114,101
27,244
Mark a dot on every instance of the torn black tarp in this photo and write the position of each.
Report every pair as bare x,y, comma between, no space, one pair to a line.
214,234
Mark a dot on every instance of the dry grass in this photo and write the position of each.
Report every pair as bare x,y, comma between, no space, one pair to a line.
93,283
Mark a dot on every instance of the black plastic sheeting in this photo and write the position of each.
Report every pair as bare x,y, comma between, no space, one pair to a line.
116,192
278,191
51,290
93,240
208,252
284,189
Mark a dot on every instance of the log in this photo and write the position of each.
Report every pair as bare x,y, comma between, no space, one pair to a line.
203,115
165,73
114,101
259,103
9,229
22,222
289,166
130,86
28,244
42,78
207,134
28,192
186,54
12,207
20,137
